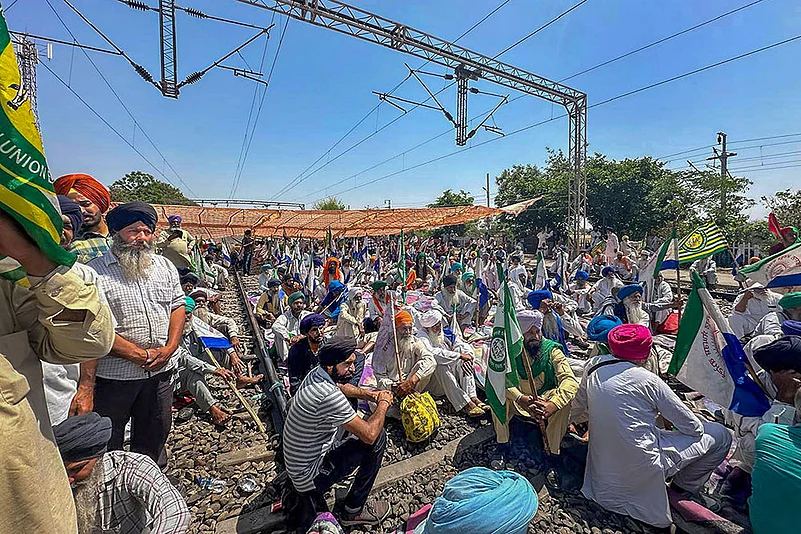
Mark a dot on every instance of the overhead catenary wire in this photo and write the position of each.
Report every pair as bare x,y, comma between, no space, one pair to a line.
589,69
300,177
597,104
137,124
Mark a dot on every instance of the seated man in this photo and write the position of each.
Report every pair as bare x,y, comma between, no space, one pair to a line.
417,363
559,318
750,307
580,289
319,411
351,316
777,479
225,325
455,301
192,368
601,291
789,308
624,267
116,491
332,303
629,456
287,327
268,308
553,379
379,299
454,376
630,310
661,301
303,354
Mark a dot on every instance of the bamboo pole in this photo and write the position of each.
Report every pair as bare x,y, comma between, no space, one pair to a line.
678,264
236,391
541,422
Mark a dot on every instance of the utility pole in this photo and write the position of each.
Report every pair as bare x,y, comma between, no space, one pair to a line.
388,203
487,189
28,57
722,156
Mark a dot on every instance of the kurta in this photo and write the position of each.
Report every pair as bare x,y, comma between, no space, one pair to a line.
177,250
418,361
351,315
284,327
744,323
451,378
562,396
602,290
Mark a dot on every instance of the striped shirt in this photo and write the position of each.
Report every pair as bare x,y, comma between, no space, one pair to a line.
141,309
317,411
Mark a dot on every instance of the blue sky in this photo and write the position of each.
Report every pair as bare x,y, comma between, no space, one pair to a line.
323,81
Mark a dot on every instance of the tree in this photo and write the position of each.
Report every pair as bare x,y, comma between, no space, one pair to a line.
447,199
138,185
720,200
330,203
524,182
787,207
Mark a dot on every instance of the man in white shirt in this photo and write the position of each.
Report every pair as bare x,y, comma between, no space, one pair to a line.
629,457
601,291
750,307
287,327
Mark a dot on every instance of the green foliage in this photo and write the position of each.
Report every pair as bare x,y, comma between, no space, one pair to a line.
138,185
447,199
787,207
721,200
524,182
330,203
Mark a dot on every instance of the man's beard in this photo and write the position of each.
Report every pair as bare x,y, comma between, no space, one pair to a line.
202,313
405,342
634,312
533,350
550,325
451,299
135,263
87,501
437,339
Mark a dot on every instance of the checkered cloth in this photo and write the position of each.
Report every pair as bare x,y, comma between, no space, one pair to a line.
141,308
136,497
90,246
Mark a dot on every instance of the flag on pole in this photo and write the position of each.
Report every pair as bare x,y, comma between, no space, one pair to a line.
701,242
329,243
26,192
783,269
506,346
540,274
665,258
709,358
211,338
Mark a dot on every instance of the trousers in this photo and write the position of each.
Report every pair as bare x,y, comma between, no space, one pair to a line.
455,383
195,383
555,429
147,404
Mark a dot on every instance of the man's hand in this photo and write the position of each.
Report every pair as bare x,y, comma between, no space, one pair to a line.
385,395
236,364
558,307
225,374
235,344
466,356
295,339
158,359
406,387
542,409
677,303
83,402
17,245
361,330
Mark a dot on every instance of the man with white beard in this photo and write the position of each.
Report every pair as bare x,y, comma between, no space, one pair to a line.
416,360
630,309
454,376
350,323
602,289
454,300
750,307
145,296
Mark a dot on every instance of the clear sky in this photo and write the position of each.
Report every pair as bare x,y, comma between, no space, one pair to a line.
322,84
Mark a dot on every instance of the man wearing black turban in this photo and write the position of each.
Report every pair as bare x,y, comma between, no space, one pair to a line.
132,212
116,491
71,217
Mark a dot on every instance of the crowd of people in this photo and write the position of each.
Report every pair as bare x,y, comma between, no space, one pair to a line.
94,356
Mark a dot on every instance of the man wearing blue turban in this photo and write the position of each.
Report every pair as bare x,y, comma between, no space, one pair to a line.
580,289
601,291
480,501
332,303
552,327
630,309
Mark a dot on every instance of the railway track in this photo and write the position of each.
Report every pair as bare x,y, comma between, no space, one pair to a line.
412,475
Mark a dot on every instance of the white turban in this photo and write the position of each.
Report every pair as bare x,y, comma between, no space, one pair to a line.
430,318
529,319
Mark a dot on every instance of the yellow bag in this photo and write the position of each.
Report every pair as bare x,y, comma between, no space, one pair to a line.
419,416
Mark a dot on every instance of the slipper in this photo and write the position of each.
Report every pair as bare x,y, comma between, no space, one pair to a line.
474,413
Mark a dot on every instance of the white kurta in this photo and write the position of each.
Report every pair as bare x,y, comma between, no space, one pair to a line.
451,377
351,315
708,270
770,324
612,245
659,306
284,327
418,361
465,305
743,324
629,457
603,290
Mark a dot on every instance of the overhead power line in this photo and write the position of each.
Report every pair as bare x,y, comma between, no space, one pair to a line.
122,103
601,64
535,32
300,177
601,103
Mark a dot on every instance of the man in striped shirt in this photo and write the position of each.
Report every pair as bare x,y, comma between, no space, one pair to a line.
314,458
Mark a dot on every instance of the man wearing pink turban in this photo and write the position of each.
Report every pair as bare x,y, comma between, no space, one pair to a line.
630,457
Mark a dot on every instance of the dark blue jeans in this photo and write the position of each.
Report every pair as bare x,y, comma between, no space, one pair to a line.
340,462
246,259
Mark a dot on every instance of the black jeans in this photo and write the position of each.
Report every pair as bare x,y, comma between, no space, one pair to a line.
246,260
147,404
340,462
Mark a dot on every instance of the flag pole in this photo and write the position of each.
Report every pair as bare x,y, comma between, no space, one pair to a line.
678,264
395,339
541,420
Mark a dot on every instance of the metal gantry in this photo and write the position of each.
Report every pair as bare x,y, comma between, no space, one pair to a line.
169,66
370,27
28,57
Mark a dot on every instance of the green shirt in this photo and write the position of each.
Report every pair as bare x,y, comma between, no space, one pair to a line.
776,480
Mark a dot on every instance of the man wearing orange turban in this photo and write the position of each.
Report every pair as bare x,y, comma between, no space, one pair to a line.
94,200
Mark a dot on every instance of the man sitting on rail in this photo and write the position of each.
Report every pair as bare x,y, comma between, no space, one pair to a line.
286,328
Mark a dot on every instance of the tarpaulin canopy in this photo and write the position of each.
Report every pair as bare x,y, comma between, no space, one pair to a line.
222,222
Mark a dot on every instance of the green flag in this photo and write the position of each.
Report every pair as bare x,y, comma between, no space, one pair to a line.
701,242
506,346
26,193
